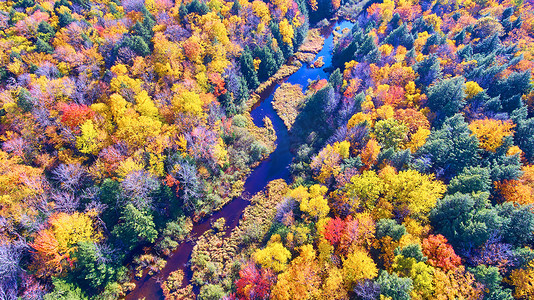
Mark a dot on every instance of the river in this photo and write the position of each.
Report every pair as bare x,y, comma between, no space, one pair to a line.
276,166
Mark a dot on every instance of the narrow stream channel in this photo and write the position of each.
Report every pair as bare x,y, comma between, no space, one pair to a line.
276,166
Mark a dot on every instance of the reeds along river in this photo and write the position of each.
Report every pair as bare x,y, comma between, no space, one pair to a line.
276,166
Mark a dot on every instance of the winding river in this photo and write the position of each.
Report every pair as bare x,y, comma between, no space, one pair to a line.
276,166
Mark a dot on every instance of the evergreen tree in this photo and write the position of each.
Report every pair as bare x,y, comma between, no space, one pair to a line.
236,7
44,47
467,221
451,148
247,68
429,71
94,266
136,227
268,65
447,97
471,180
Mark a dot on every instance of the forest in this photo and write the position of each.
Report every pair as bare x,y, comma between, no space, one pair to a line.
127,127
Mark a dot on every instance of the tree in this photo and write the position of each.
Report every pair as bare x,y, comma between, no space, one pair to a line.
236,7
491,279
188,103
274,256
439,253
211,291
406,259
267,66
64,290
517,223
94,265
465,220
370,153
390,133
333,230
412,191
447,97
135,227
358,266
301,279
510,90
451,148
365,189
43,46
389,227
138,187
429,71
70,177
254,283
522,280
471,180
490,132
10,270
247,68
457,284
333,285
286,30
326,164
137,44
521,190
422,276
75,114
190,186
393,286
312,200
367,290
89,140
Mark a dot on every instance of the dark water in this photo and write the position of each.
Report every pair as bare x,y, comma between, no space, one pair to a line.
276,166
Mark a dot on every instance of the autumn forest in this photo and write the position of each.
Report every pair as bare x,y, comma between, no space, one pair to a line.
266,149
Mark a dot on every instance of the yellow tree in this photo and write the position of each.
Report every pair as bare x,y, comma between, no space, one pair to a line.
456,284
312,201
19,184
472,89
411,190
145,106
188,103
275,256
286,30
302,278
422,276
326,164
358,265
365,189
522,280
90,140
333,285
491,132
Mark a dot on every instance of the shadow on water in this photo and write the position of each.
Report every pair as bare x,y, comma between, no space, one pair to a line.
276,166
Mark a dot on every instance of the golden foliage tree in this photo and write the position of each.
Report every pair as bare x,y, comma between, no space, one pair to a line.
491,132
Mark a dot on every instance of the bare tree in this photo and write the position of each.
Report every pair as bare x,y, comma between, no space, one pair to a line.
10,255
71,177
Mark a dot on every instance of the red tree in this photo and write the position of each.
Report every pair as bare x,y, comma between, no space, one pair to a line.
254,283
439,253
75,114
333,230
